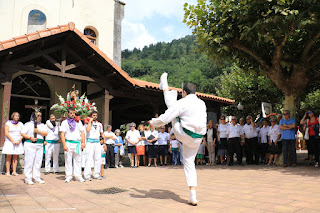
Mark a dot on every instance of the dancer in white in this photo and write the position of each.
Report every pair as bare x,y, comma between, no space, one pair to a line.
33,148
188,116
72,138
93,148
13,142
52,147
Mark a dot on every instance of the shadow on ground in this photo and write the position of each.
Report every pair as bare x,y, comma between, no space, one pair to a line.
157,194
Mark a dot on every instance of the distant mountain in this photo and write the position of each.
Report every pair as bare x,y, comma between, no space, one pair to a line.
179,58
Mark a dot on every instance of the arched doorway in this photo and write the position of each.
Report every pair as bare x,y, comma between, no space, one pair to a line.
25,90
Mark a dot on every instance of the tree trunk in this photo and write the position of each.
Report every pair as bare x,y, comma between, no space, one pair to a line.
292,103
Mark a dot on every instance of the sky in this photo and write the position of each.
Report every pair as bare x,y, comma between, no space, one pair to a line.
151,21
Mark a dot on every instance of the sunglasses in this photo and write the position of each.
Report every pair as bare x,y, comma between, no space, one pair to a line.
132,126
286,114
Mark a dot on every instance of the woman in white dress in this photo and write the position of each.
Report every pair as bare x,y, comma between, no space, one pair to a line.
13,146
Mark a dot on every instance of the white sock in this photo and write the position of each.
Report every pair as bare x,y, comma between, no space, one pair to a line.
193,195
164,81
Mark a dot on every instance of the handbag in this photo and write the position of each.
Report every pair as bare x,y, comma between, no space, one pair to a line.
306,134
121,150
140,150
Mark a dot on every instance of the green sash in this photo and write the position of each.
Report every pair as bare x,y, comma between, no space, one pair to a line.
78,145
38,141
188,132
52,141
93,140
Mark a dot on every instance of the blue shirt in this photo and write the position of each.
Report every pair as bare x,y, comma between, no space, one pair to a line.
119,140
289,134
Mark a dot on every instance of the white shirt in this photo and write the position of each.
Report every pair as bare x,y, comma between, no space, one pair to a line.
234,131
192,112
95,131
241,129
14,131
250,131
110,141
147,134
163,138
72,136
222,130
52,135
210,135
274,132
155,134
263,134
133,136
174,143
28,129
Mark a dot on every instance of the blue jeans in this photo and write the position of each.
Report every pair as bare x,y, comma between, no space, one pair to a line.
175,157
289,146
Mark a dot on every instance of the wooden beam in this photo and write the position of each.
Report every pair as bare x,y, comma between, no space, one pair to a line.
30,97
5,109
52,61
72,66
36,54
54,73
64,61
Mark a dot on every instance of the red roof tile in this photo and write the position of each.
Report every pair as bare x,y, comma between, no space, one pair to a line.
71,27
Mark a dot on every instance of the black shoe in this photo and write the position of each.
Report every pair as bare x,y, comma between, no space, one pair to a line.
46,173
161,164
240,164
165,164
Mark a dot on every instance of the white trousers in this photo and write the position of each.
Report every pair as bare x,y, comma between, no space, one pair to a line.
190,145
70,156
33,154
52,151
93,153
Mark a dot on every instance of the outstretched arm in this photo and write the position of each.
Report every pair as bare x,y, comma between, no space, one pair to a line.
172,113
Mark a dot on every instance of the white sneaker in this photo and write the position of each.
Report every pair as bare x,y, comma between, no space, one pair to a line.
29,182
116,167
98,178
121,166
68,179
193,198
39,181
164,81
317,165
81,180
88,179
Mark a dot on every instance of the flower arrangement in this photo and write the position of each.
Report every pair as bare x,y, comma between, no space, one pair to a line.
81,105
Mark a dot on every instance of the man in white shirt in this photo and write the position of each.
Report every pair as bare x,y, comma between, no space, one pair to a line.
152,145
250,137
163,140
33,148
93,148
189,118
52,147
110,141
73,140
233,136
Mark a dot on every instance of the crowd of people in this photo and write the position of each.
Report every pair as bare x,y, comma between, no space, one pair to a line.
147,145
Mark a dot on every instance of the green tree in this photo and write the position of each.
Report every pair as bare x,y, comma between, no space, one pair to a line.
278,39
249,89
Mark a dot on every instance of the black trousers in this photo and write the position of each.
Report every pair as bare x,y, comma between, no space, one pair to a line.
234,147
315,144
109,157
252,150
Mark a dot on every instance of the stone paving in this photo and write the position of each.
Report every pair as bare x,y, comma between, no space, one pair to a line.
163,189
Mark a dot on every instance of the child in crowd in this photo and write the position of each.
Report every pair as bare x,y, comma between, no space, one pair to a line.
201,151
174,149
103,156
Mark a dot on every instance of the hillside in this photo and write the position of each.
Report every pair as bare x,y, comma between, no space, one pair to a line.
178,58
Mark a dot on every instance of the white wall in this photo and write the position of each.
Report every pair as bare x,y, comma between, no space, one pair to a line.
98,14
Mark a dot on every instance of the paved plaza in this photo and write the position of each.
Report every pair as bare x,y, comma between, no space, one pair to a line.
163,189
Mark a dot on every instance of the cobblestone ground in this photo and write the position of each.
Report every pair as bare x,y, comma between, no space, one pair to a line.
163,189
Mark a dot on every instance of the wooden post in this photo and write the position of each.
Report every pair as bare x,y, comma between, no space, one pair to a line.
107,98
5,109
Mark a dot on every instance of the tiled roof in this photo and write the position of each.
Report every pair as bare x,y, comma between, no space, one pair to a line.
4,45
154,86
